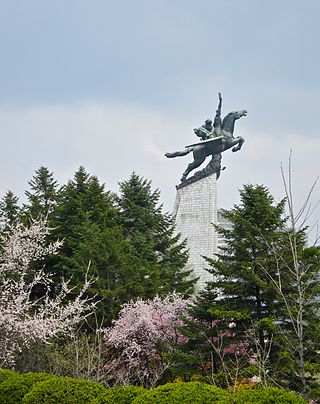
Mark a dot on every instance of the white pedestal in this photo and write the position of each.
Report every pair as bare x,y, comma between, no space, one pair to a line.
195,211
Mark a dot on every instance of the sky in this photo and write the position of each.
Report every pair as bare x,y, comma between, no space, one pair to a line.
113,85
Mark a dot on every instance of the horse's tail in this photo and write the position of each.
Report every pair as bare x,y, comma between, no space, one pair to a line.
179,153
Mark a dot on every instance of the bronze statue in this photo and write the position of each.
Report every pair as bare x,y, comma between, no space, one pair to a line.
215,140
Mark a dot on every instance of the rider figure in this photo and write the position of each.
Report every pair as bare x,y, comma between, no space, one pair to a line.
208,131
205,130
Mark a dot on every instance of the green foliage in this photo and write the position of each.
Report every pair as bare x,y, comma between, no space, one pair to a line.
270,395
42,195
85,217
14,388
129,242
6,374
187,393
315,393
119,395
212,348
257,251
9,210
157,255
64,390
242,272
269,280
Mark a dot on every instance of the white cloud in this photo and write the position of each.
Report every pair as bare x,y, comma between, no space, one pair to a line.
111,141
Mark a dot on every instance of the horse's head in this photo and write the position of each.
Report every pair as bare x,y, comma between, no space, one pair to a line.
229,120
239,114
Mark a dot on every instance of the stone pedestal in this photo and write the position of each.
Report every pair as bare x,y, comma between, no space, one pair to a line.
195,211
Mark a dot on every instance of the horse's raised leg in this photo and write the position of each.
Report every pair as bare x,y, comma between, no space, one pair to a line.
199,157
239,141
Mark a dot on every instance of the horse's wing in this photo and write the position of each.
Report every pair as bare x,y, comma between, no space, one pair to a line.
213,139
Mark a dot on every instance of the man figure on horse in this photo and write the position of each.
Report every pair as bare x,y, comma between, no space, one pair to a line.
205,130
215,139
208,131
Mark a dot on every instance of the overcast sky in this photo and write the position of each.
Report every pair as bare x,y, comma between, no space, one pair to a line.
113,85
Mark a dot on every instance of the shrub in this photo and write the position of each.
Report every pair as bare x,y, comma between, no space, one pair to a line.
269,395
14,388
315,394
120,395
6,374
64,390
187,393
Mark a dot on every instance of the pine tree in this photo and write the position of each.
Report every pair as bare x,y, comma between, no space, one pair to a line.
85,219
42,194
130,244
157,254
242,290
241,271
215,349
266,281
9,210
81,199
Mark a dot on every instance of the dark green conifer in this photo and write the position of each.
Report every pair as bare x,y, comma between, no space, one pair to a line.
157,254
9,210
42,195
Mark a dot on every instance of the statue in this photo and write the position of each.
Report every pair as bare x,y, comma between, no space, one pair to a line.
215,139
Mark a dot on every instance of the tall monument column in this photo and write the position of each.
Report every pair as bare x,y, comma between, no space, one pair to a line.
195,212
195,209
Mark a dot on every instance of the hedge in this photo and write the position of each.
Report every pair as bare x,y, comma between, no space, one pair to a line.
13,389
64,390
187,393
120,395
35,388
268,395
6,374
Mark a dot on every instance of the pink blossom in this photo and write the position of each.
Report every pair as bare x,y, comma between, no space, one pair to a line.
253,359
144,335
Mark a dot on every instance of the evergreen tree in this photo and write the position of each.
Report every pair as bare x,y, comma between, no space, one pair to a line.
81,199
215,349
42,194
9,210
241,290
85,219
157,255
242,271
266,281
130,244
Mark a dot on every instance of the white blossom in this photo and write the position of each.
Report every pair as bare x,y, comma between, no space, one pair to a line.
23,318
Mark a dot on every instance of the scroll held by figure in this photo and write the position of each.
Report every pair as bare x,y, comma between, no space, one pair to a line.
215,138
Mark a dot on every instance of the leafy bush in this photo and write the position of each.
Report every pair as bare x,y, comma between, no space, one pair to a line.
6,374
269,395
120,395
64,390
15,387
315,394
187,393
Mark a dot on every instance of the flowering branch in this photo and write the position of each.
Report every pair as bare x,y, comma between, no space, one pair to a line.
23,318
